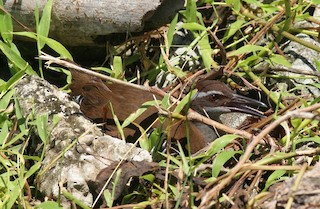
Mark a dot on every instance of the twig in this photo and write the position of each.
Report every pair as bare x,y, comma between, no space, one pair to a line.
294,70
247,70
193,115
50,59
222,51
263,31
296,185
207,196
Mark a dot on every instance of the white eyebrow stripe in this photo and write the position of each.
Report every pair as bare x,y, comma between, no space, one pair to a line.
207,93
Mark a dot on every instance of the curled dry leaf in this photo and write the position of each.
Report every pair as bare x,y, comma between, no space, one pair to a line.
128,169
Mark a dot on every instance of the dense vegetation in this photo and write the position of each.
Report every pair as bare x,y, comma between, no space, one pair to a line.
242,41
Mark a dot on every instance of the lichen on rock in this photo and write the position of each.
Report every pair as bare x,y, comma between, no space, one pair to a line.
77,150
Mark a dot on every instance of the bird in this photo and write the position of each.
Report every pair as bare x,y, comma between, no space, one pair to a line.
212,99
215,98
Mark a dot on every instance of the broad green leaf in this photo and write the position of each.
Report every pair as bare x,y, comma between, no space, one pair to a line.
295,122
114,186
248,60
274,178
144,141
19,115
176,161
174,190
55,120
14,193
220,143
15,59
193,26
179,72
317,85
31,35
118,124
252,2
234,4
44,24
33,169
234,27
315,139
248,49
221,159
185,165
274,157
49,205
316,100
165,103
108,197
103,69
156,138
149,177
20,136
276,58
57,47
269,9
133,58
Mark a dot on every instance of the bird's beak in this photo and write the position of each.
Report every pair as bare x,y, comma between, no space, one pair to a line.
248,101
245,104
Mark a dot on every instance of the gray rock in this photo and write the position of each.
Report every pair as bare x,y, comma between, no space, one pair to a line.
83,22
305,196
303,58
76,150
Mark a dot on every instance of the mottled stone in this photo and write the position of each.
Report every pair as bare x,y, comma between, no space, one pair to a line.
77,150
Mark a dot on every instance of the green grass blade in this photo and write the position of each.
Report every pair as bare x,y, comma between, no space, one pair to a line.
218,144
117,68
11,82
57,47
16,59
44,24
171,30
191,11
42,127
248,49
137,113
185,101
53,44
6,27
274,178
220,160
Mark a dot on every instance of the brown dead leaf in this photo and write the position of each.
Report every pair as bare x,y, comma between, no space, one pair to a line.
129,169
